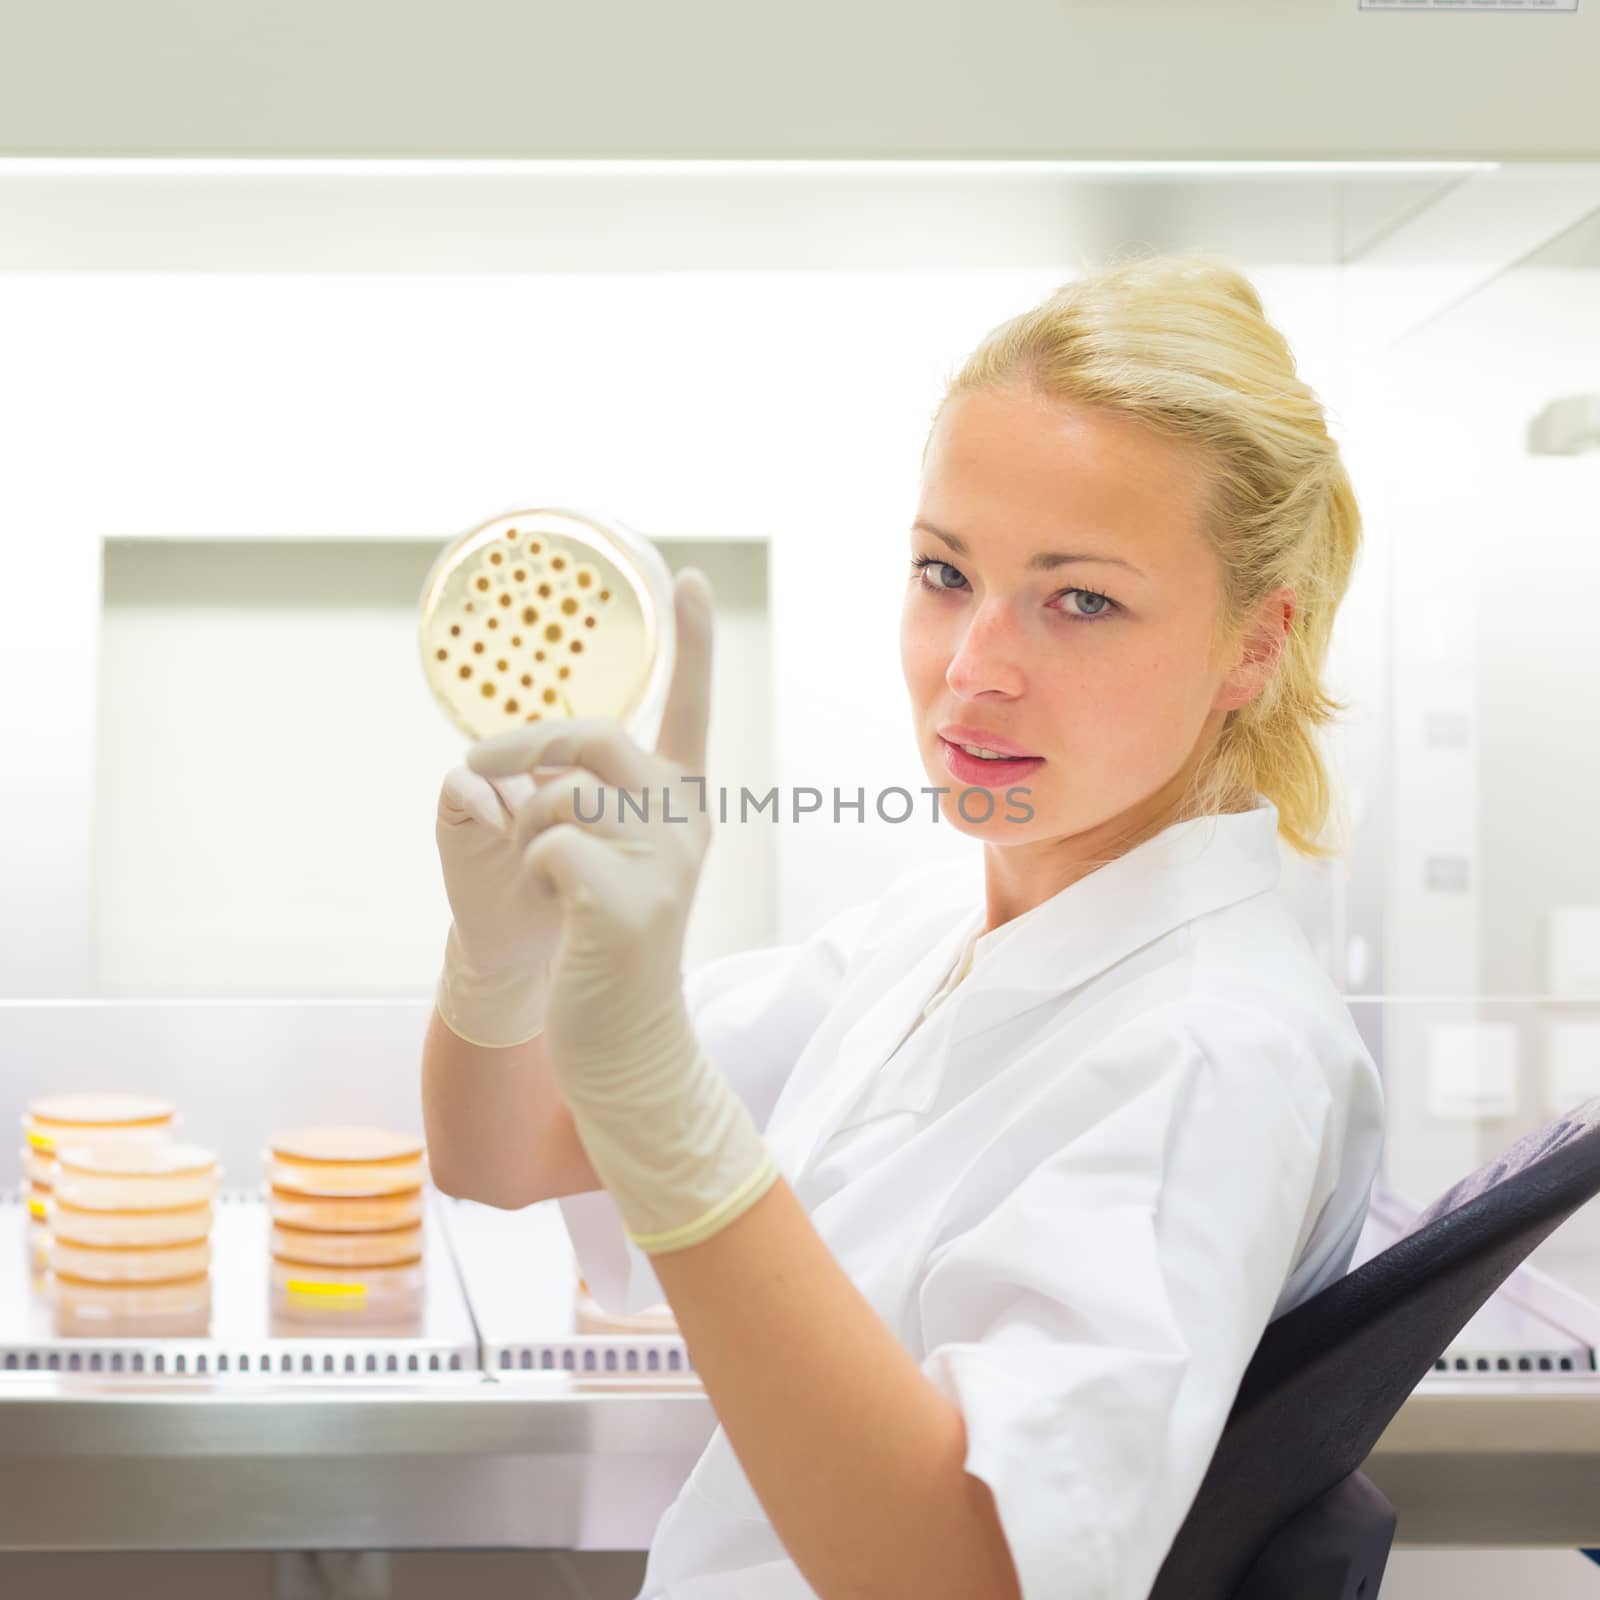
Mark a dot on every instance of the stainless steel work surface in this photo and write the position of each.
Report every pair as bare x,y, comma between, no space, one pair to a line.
251,1464
582,1445
213,1464
1493,1463
258,1434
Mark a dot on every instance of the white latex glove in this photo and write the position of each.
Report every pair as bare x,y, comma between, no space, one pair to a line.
667,1135
492,988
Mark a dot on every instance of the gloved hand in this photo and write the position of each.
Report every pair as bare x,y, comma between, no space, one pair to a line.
666,1134
492,987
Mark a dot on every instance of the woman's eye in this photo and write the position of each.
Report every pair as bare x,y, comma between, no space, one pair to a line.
1097,604
923,563
1085,604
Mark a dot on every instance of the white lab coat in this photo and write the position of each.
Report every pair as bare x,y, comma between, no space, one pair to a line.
1143,1125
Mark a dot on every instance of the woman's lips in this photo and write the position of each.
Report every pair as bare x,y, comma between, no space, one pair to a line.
984,774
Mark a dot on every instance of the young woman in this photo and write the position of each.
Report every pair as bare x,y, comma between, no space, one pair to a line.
972,1206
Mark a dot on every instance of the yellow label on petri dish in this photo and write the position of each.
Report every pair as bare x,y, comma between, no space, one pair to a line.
327,1291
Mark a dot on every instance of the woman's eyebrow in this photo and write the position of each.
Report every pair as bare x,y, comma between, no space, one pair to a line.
1043,562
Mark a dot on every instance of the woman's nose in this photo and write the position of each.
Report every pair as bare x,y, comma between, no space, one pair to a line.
989,655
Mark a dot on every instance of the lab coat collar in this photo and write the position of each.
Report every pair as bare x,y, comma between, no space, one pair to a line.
1185,871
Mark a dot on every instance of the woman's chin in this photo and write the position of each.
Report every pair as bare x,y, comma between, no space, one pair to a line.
1008,822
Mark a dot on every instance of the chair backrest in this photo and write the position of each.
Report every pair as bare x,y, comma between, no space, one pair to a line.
1329,1375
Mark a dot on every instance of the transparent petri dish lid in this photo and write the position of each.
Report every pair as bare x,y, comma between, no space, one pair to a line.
62,1118
548,614
337,1145
346,1213
38,1167
345,1161
175,1262
308,1247
135,1177
70,1224
129,1309
136,1160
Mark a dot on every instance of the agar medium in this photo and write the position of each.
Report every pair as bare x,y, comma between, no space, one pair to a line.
548,614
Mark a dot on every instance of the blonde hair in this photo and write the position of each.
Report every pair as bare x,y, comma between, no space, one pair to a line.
1181,344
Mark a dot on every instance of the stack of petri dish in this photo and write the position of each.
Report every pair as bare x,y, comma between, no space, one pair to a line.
347,1231
130,1232
84,1121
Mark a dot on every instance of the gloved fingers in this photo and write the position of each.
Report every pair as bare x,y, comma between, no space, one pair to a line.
578,797
581,867
668,821
465,797
601,744
514,791
687,716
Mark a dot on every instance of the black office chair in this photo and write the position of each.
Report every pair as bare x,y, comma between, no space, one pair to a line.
1283,1512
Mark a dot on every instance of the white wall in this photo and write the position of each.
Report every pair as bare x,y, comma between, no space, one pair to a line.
268,764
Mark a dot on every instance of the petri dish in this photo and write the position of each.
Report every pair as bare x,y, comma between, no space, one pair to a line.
346,1213
135,1177
548,613
83,1119
339,1162
133,1309
38,1168
157,1263
590,1317
304,1292
101,1229
316,1248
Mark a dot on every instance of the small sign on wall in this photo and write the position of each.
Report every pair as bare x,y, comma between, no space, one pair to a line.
1471,1070
1469,5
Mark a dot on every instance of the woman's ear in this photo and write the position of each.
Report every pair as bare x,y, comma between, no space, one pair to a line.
1260,653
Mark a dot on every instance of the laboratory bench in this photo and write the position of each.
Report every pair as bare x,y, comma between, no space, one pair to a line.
487,1420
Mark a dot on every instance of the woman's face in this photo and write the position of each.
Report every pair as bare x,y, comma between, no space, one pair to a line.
1063,610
